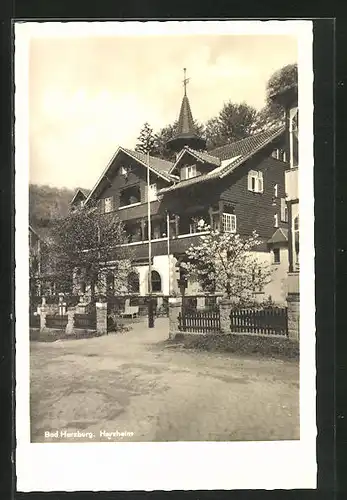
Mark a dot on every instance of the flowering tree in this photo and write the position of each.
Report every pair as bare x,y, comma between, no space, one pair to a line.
224,261
82,245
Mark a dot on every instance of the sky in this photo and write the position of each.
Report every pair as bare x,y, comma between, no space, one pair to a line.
89,95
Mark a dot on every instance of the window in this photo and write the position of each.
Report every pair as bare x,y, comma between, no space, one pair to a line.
276,220
108,204
277,256
191,171
296,237
156,282
255,181
229,223
130,196
284,210
276,190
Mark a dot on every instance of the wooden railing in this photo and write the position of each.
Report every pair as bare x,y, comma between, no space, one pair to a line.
85,321
268,321
56,321
199,321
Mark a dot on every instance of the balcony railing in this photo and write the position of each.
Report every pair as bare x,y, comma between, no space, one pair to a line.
178,244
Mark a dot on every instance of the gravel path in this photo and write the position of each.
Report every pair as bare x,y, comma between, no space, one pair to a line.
134,387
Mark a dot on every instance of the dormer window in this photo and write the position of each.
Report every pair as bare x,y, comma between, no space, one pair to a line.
190,171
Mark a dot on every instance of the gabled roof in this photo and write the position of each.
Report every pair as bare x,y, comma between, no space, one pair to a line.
199,155
156,165
247,145
279,236
162,167
85,193
237,152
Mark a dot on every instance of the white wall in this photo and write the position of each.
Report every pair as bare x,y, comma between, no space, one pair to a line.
277,289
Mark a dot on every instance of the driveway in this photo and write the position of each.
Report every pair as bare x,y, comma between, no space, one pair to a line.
134,387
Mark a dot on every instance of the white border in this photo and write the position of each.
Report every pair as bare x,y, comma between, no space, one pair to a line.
181,465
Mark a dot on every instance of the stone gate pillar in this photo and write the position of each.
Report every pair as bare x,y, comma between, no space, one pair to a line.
101,318
293,301
225,306
175,307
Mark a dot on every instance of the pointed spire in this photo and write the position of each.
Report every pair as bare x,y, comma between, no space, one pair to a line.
186,134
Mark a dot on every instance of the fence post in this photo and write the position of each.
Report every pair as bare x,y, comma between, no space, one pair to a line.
293,301
70,321
225,306
101,318
200,303
175,307
43,313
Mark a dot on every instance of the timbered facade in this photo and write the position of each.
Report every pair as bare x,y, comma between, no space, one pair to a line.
239,187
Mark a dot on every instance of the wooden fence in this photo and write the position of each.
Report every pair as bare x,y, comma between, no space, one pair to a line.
199,321
85,321
269,321
56,321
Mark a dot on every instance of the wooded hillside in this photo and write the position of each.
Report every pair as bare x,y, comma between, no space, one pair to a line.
47,203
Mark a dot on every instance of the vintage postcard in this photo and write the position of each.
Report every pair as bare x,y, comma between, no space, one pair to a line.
164,339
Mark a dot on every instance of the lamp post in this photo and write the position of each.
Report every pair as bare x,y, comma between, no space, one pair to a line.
150,301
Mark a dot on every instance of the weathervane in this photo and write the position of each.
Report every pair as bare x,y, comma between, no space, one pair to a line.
185,81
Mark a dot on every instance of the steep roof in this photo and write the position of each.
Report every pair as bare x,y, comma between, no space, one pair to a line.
232,156
246,145
85,193
157,165
163,167
186,132
279,236
199,155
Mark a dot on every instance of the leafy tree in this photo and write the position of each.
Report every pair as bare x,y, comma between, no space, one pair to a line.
280,80
272,113
234,122
224,261
146,140
82,243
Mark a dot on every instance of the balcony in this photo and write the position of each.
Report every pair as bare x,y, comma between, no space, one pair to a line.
292,184
180,244
137,210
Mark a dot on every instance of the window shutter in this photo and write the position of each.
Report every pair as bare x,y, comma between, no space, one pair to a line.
233,223
250,181
101,206
183,173
283,210
260,182
146,193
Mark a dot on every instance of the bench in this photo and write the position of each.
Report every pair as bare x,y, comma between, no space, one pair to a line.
131,311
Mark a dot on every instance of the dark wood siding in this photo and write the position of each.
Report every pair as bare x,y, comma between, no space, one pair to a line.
137,176
255,211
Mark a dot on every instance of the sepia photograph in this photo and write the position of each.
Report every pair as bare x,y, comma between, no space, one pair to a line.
163,229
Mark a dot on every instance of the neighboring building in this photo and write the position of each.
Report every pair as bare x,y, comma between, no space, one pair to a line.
288,98
79,199
238,187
